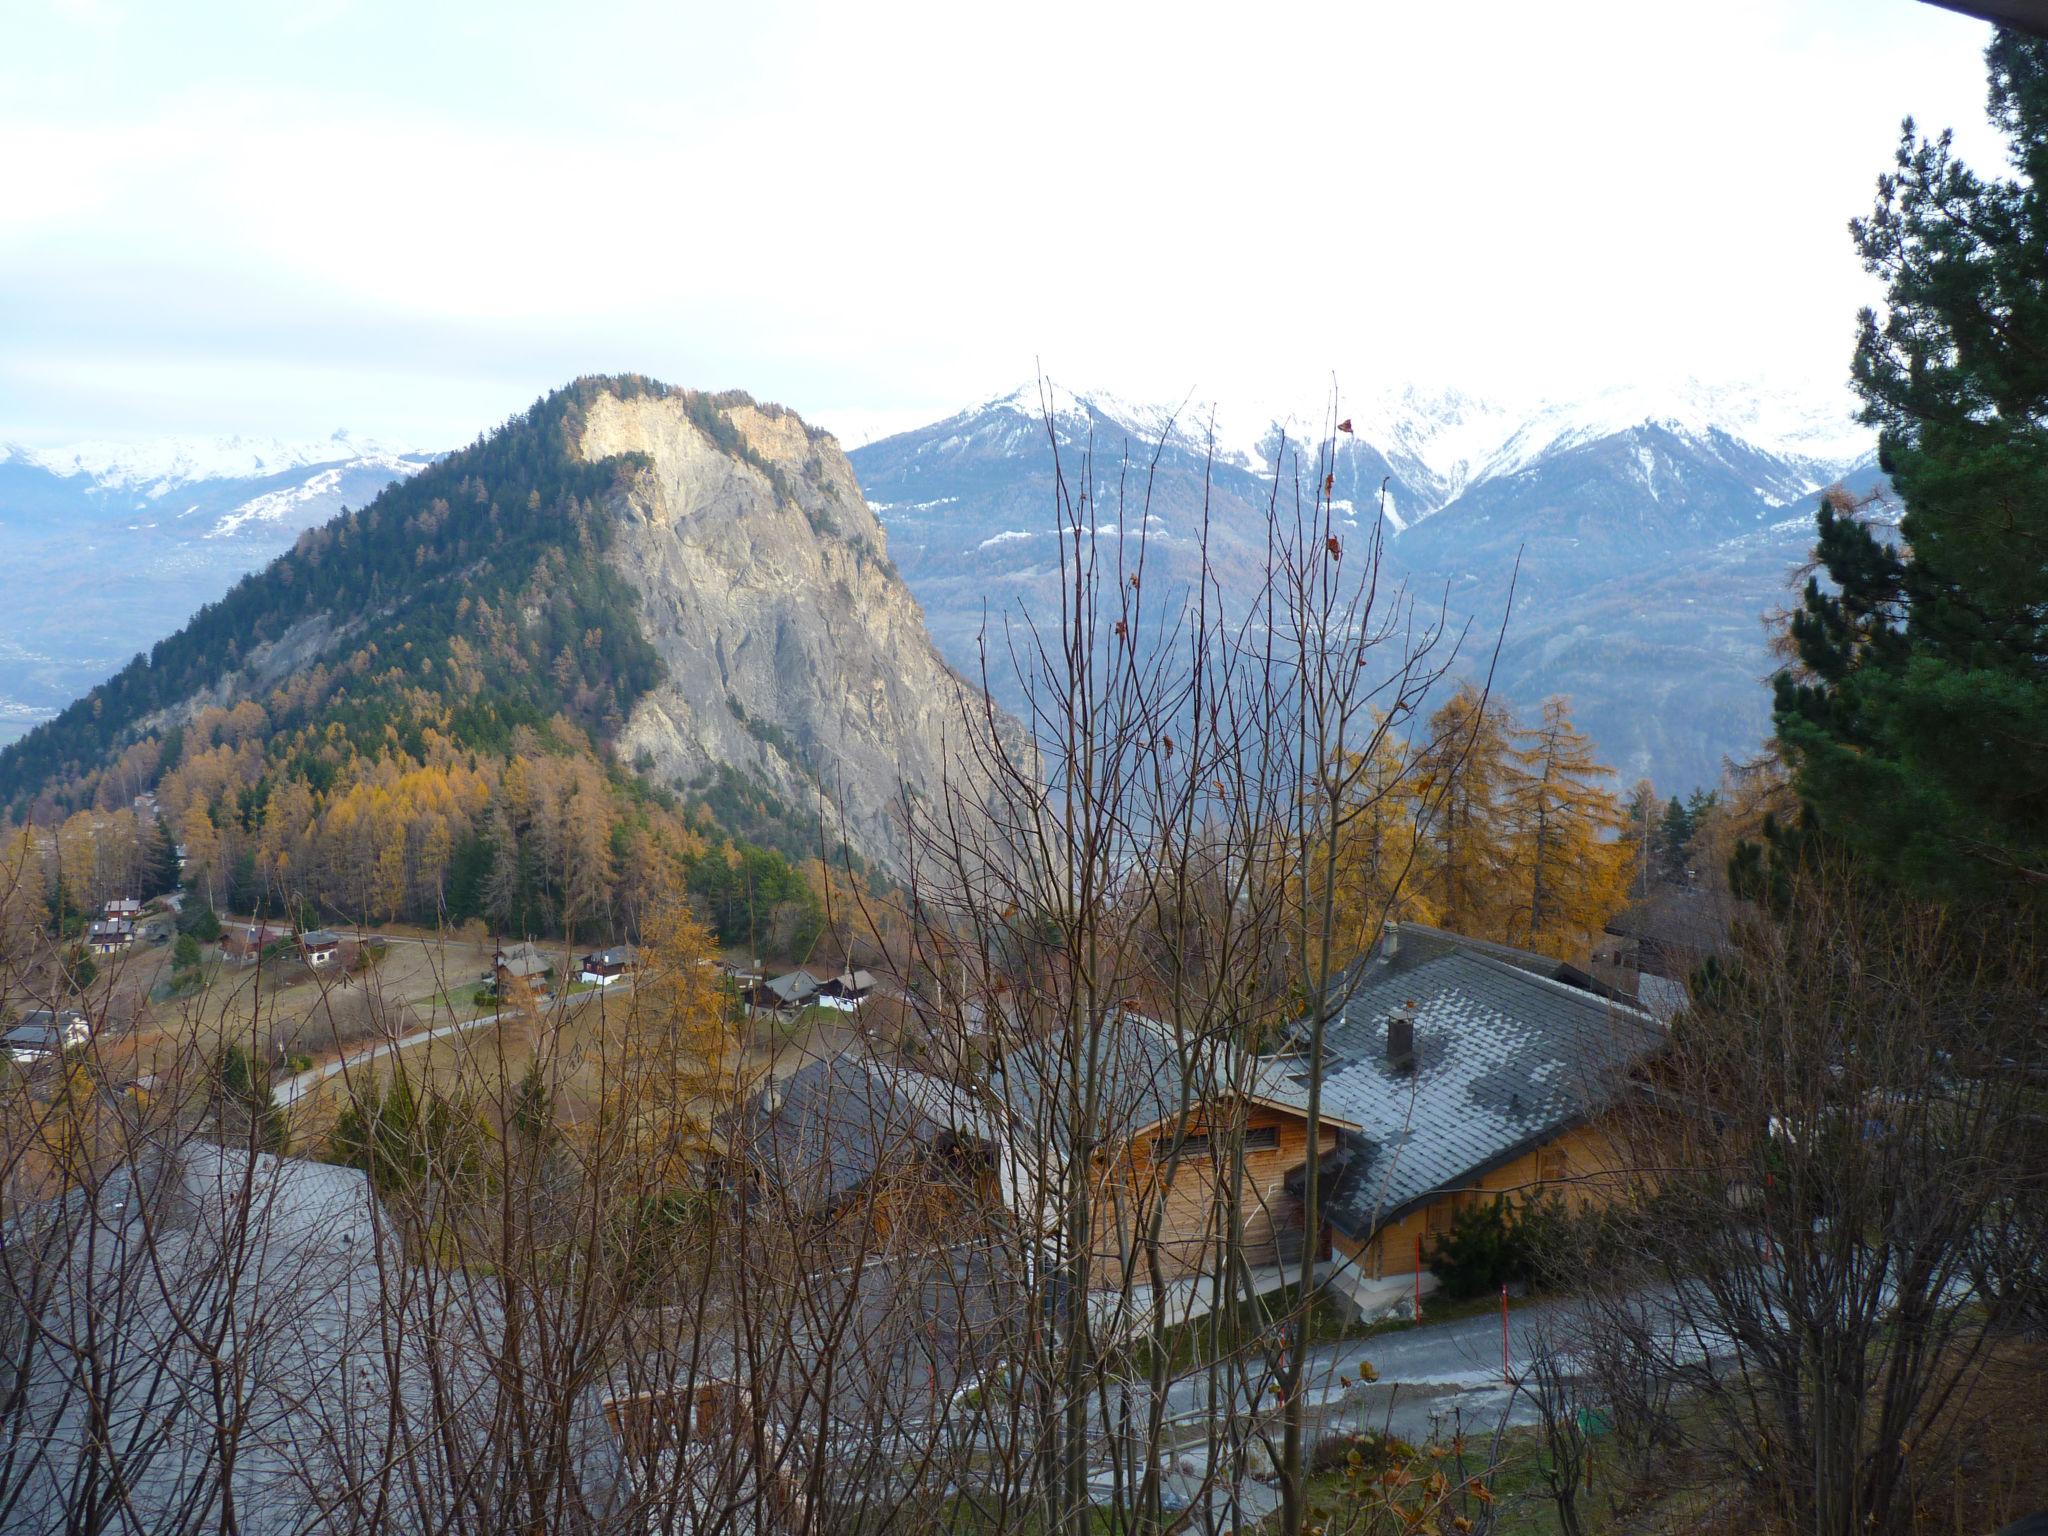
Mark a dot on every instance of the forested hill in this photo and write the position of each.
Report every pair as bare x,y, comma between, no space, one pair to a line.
423,708
469,599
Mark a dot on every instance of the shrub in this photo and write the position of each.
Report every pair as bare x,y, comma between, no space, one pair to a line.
203,923
1496,1244
1367,1452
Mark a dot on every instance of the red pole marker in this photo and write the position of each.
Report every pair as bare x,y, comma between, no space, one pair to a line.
1506,1371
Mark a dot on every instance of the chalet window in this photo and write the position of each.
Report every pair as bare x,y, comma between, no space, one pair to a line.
1440,1214
1553,1166
1260,1138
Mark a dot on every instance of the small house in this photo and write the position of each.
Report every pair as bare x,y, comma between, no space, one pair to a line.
782,994
602,967
522,965
853,1146
1469,1072
846,991
319,948
244,943
43,1034
122,906
110,935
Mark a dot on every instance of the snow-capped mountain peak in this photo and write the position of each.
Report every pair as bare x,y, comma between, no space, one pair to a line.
1812,429
1443,442
157,466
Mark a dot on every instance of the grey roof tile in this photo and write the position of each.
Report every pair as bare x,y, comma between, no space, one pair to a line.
1505,1056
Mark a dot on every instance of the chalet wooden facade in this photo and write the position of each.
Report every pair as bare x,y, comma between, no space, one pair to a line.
110,935
1163,1186
1454,1072
602,967
521,969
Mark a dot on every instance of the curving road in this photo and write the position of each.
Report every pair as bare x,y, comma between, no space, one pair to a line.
292,1089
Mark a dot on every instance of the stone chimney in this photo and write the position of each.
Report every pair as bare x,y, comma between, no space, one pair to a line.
1401,1038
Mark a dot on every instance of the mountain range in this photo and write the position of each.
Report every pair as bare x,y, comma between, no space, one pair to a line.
1646,535
111,546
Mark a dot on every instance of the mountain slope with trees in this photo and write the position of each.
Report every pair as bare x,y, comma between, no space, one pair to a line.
423,709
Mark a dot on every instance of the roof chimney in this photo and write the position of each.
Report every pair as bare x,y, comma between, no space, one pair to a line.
1401,1038
1390,941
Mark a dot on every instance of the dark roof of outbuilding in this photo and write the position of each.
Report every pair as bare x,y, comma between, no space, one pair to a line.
1506,1057
831,1125
793,985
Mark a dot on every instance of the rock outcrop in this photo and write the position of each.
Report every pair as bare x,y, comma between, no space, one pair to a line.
796,657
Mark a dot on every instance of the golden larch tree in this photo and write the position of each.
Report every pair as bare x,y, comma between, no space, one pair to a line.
675,1072
1570,863
1461,779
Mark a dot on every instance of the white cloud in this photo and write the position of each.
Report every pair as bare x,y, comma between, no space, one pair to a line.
863,210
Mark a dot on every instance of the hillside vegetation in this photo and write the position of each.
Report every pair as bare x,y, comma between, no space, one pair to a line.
411,714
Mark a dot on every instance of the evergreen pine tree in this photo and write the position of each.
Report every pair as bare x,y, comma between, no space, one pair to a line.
160,873
1674,833
1917,724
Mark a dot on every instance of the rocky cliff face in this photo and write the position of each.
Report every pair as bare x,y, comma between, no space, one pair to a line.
795,654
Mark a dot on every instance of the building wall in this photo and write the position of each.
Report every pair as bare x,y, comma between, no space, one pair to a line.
1578,1166
1186,1200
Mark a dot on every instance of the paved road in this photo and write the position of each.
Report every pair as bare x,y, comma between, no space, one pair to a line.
292,1089
1427,1376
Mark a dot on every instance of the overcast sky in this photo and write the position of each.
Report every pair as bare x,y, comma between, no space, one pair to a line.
410,219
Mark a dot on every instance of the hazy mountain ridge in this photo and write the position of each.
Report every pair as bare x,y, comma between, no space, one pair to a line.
113,545
1647,534
1653,531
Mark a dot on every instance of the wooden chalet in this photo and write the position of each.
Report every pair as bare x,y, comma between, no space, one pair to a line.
521,966
110,935
604,966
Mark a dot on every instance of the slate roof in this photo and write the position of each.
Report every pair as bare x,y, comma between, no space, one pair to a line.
42,1030
1506,1057
320,938
831,1125
1145,1075
793,986
524,960
313,1281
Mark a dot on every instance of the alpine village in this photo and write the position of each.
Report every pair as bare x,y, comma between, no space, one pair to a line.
1044,974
